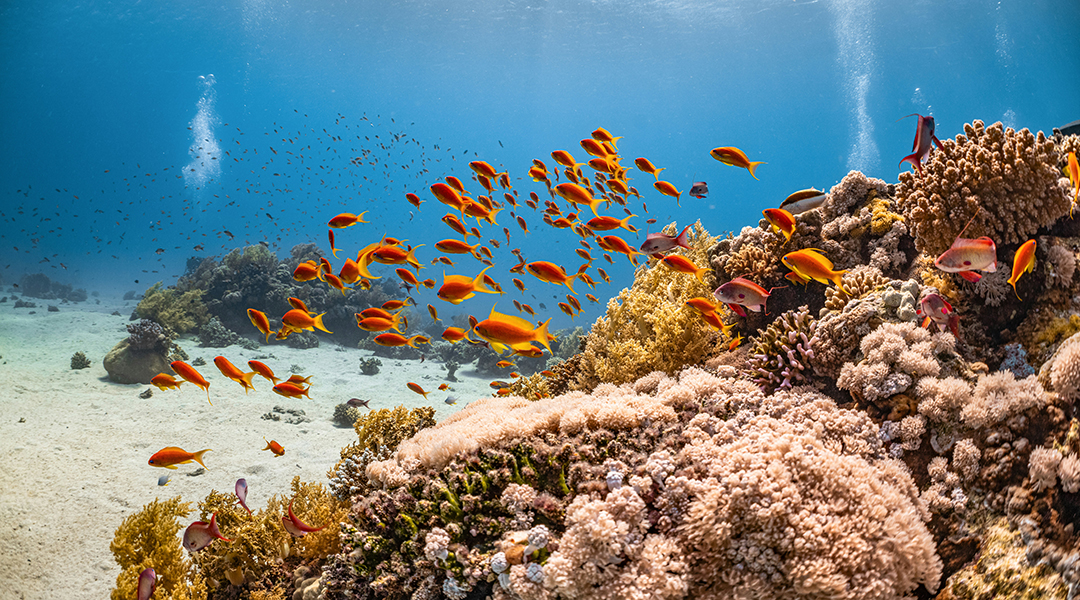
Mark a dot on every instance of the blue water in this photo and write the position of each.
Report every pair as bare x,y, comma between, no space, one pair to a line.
102,103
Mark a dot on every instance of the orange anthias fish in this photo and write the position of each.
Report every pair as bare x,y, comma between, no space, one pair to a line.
164,381
458,288
1074,178
298,320
613,243
565,159
264,371
514,332
393,340
966,256
274,447
575,194
455,334
647,167
295,526
261,322
393,255
416,388
606,223
667,189
602,135
346,220
229,370
482,168
307,271
1023,262
737,158
189,373
291,390
782,222
681,264
448,196
814,265
172,456
552,273
451,246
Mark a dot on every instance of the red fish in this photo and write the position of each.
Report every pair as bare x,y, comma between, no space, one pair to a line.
782,222
274,447
263,370
229,370
658,243
295,526
924,138
199,534
936,309
966,256
171,456
740,292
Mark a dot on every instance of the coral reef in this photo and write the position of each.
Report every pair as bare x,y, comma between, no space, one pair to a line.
38,285
379,432
370,366
648,327
215,335
1004,181
345,415
79,361
148,539
782,355
182,312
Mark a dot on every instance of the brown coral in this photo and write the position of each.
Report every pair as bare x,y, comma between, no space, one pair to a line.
858,282
647,327
1007,180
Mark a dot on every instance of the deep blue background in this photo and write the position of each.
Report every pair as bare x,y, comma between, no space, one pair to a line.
96,86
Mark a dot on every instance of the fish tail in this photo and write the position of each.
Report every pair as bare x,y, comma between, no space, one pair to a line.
268,335
656,173
207,388
542,335
247,378
700,273
912,159
753,167
319,323
838,278
198,456
1012,282
625,224
570,280
491,216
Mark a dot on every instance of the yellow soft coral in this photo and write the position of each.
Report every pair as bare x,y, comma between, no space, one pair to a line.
260,540
183,312
648,327
148,539
1007,180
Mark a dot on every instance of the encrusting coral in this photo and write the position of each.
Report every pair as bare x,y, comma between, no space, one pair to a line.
148,539
647,327
1005,182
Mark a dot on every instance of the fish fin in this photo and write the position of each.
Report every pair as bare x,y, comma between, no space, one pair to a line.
542,335
755,307
971,276
753,167
680,240
570,280
926,322
737,309
247,378
319,322
198,456
913,159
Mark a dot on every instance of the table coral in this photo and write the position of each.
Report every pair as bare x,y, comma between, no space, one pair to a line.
1007,180
647,327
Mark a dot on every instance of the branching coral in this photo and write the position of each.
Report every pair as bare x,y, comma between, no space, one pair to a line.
781,356
380,432
148,539
894,355
647,327
1006,180
858,282
183,312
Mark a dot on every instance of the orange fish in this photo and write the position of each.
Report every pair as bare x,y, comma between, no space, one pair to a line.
350,272
457,247
455,334
565,159
298,320
606,223
448,196
393,255
333,250
595,147
172,456
592,299
575,194
408,277
434,313
458,288
274,447
306,271
1074,179
347,220
413,199
298,380
381,313
1023,262
479,211
681,264
514,332
702,305
810,263
416,388
667,189
229,370
602,135
552,273
737,158
290,390
502,364
456,183
263,370
613,243
377,324
189,373
298,304
393,340
647,167
566,308
335,282
164,381
782,222
394,304
443,387
484,169
735,341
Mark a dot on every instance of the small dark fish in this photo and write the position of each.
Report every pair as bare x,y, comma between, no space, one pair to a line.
358,402
699,189
164,479
451,400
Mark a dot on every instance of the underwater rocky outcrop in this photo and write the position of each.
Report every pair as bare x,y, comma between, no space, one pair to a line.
835,445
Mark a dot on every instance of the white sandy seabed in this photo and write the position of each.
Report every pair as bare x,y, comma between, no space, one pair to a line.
75,446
